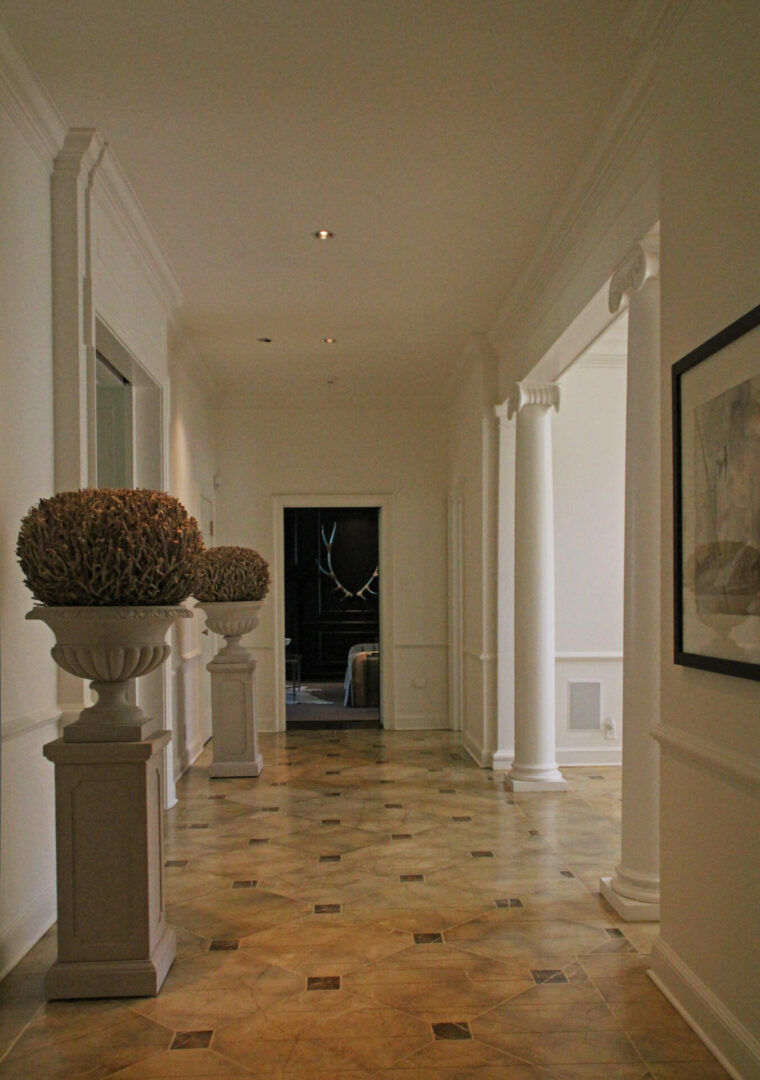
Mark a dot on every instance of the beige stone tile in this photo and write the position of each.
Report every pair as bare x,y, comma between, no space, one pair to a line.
574,1047
82,1039
184,1065
518,1017
234,913
216,990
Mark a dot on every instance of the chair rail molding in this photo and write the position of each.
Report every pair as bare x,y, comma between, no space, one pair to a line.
695,750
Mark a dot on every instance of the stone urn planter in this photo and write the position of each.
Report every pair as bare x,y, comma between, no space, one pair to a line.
109,646
110,568
231,585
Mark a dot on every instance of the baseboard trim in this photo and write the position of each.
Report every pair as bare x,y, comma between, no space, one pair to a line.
186,758
483,758
589,755
735,1047
421,722
18,936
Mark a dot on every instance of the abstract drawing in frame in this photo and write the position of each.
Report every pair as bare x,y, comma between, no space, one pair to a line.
716,458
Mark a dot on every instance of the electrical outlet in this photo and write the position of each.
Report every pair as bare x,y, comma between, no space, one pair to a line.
609,727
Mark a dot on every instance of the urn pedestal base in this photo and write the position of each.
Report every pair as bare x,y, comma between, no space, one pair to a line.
233,719
113,939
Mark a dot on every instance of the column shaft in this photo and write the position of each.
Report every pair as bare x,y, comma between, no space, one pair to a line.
634,889
534,767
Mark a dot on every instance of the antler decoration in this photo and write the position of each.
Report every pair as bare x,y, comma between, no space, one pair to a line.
366,589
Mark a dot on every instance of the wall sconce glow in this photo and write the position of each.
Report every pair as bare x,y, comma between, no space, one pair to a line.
329,340
265,340
323,234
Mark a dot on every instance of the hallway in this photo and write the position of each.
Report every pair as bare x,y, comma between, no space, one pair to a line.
374,905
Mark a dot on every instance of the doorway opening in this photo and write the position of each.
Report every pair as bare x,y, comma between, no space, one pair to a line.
332,617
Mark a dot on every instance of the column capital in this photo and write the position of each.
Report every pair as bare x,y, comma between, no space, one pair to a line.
545,394
641,263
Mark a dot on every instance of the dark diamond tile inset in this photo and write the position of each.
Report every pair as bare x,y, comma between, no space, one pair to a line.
259,840
614,932
191,1040
447,791
509,902
482,854
533,832
393,806
333,772
327,909
217,797
244,884
176,862
331,821
428,939
199,826
567,873
270,809
548,975
323,982
461,817
330,858
452,1030
411,877
220,945
401,836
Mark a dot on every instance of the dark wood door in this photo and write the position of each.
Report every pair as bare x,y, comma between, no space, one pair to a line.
331,591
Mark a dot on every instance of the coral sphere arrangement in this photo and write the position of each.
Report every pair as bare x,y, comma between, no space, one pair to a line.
225,574
109,547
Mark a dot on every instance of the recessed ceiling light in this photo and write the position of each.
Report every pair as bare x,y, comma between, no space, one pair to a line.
265,340
329,340
323,234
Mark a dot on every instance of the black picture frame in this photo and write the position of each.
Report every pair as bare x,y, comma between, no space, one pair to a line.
716,502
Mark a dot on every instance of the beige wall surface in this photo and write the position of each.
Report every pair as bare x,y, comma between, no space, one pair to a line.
28,703
399,454
710,945
473,467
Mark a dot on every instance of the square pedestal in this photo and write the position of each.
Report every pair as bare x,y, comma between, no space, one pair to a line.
113,940
233,719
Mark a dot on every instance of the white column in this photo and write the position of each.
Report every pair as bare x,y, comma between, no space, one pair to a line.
634,889
534,767
505,745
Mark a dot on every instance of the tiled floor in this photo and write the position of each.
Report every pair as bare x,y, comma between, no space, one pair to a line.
376,906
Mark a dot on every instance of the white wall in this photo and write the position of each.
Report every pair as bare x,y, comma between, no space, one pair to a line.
473,469
192,478
588,441
28,698
132,298
708,955
262,453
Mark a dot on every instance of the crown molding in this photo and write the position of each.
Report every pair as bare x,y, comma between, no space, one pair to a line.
631,118
28,104
127,214
654,21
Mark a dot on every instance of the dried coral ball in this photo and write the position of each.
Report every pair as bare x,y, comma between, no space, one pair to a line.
231,573
108,547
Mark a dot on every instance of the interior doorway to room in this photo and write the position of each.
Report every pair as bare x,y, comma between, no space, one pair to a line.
332,617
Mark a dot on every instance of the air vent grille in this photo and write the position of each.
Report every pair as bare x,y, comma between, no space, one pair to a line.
585,706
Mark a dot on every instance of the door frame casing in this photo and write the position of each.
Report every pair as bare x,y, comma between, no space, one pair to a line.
384,503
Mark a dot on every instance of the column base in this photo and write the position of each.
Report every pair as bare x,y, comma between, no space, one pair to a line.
112,978
628,909
236,768
513,784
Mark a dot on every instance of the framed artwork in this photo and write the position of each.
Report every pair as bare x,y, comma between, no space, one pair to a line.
716,459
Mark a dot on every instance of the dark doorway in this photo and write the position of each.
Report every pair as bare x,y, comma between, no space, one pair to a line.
332,584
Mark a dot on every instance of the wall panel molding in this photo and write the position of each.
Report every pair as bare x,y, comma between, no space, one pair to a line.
20,725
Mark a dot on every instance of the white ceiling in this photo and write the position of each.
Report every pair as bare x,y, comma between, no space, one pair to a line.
434,137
